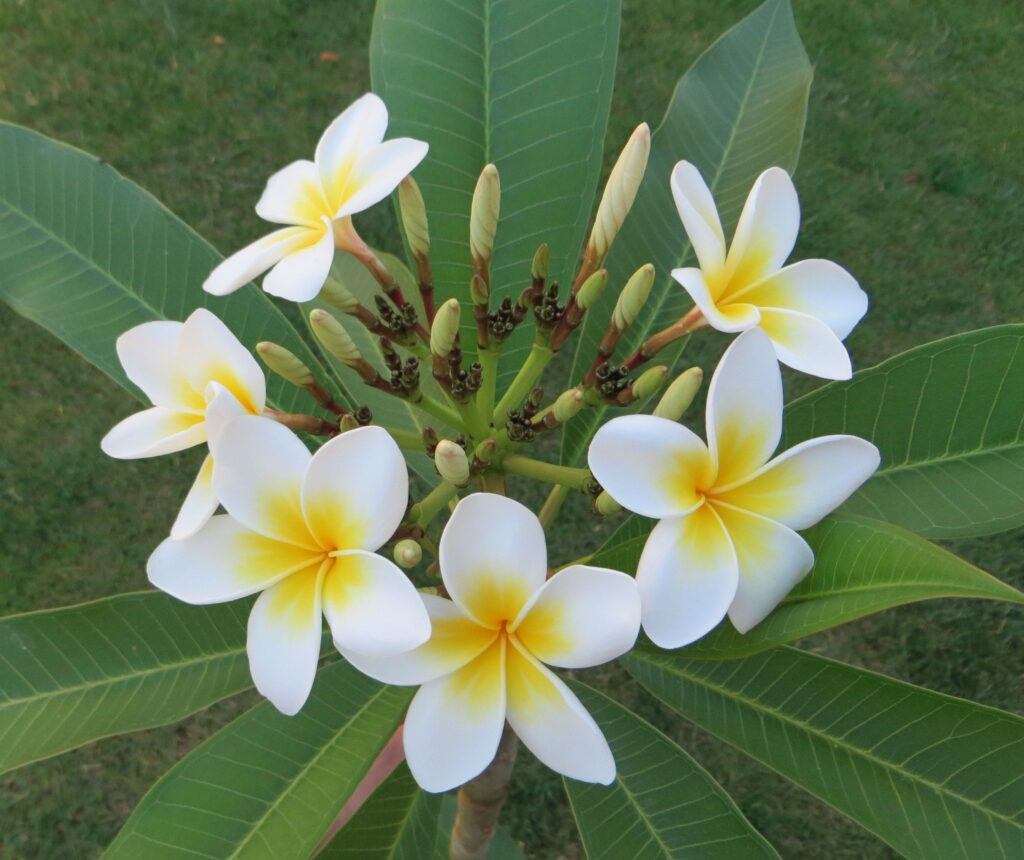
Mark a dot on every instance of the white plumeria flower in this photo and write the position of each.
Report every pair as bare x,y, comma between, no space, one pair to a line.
807,308
353,168
726,541
485,660
197,375
302,529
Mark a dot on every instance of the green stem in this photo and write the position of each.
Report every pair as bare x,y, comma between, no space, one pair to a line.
406,439
432,504
568,476
524,382
493,482
488,358
471,420
552,505
440,411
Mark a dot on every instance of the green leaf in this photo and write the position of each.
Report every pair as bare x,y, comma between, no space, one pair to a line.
69,676
503,846
948,418
738,111
525,85
268,785
398,822
932,775
662,803
87,254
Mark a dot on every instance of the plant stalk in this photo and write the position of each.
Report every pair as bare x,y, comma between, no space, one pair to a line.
480,802
568,476
524,382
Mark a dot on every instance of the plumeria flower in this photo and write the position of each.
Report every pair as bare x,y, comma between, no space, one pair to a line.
302,529
198,376
807,308
485,661
727,539
353,168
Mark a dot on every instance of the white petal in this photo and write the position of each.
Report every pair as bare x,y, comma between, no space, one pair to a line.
301,274
649,465
372,606
209,352
221,408
153,432
552,722
455,639
699,215
258,474
454,724
234,272
223,561
808,481
284,640
356,131
356,490
493,557
293,196
148,354
199,504
379,172
818,288
583,616
772,559
687,577
806,344
744,408
729,318
767,229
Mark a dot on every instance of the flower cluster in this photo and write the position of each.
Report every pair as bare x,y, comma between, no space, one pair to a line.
304,531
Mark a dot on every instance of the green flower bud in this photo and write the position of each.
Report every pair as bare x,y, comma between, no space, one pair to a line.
479,291
483,217
605,505
445,328
592,289
541,263
348,422
408,553
285,364
335,293
648,382
620,190
451,462
568,405
414,217
633,297
334,338
680,394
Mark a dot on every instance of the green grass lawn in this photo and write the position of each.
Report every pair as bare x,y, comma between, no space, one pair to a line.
911,177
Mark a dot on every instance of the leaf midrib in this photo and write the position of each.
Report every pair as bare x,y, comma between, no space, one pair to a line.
959,456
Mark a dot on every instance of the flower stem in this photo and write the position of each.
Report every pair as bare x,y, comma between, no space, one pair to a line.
438,410
567,476
527,377
480,802
552,505
655,343
406,439
488,358
431,504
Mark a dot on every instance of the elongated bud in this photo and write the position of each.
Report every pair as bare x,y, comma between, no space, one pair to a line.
647,383
484,453
568,405
592,289
408,553
479,291
483,218
451,462
334,338
620,191
285,364
348,422
445,328
335,293
679,395
541,263
605,505
414,217
633,297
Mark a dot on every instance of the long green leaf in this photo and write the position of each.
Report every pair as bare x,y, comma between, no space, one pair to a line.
932,775
268,785
738,111
662,803
948,418
87,254
69,676
523,84
398,822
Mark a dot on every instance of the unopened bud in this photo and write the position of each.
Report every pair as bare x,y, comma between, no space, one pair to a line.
285,364
541,263
605,505
334,338
479,291
620,190
591,290
414,217
445,328
568,405
680,394
484,452
483,217
451,462
647,383
633,297
348,422
408,553
335,293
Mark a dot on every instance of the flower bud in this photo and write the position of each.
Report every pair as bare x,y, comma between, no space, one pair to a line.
479,291
335,293
591,290
620,190
541,263
414,217
677,399
633,297
408,553
285,364
445,328
451,462
334,338
484,452
483,217
605,505
568,405
348,422
648,382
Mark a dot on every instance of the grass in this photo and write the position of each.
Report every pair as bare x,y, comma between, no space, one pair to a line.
910,177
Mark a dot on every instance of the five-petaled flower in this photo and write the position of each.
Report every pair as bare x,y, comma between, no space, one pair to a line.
807,308
727,539
485,660
301,529
353,168
197,376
